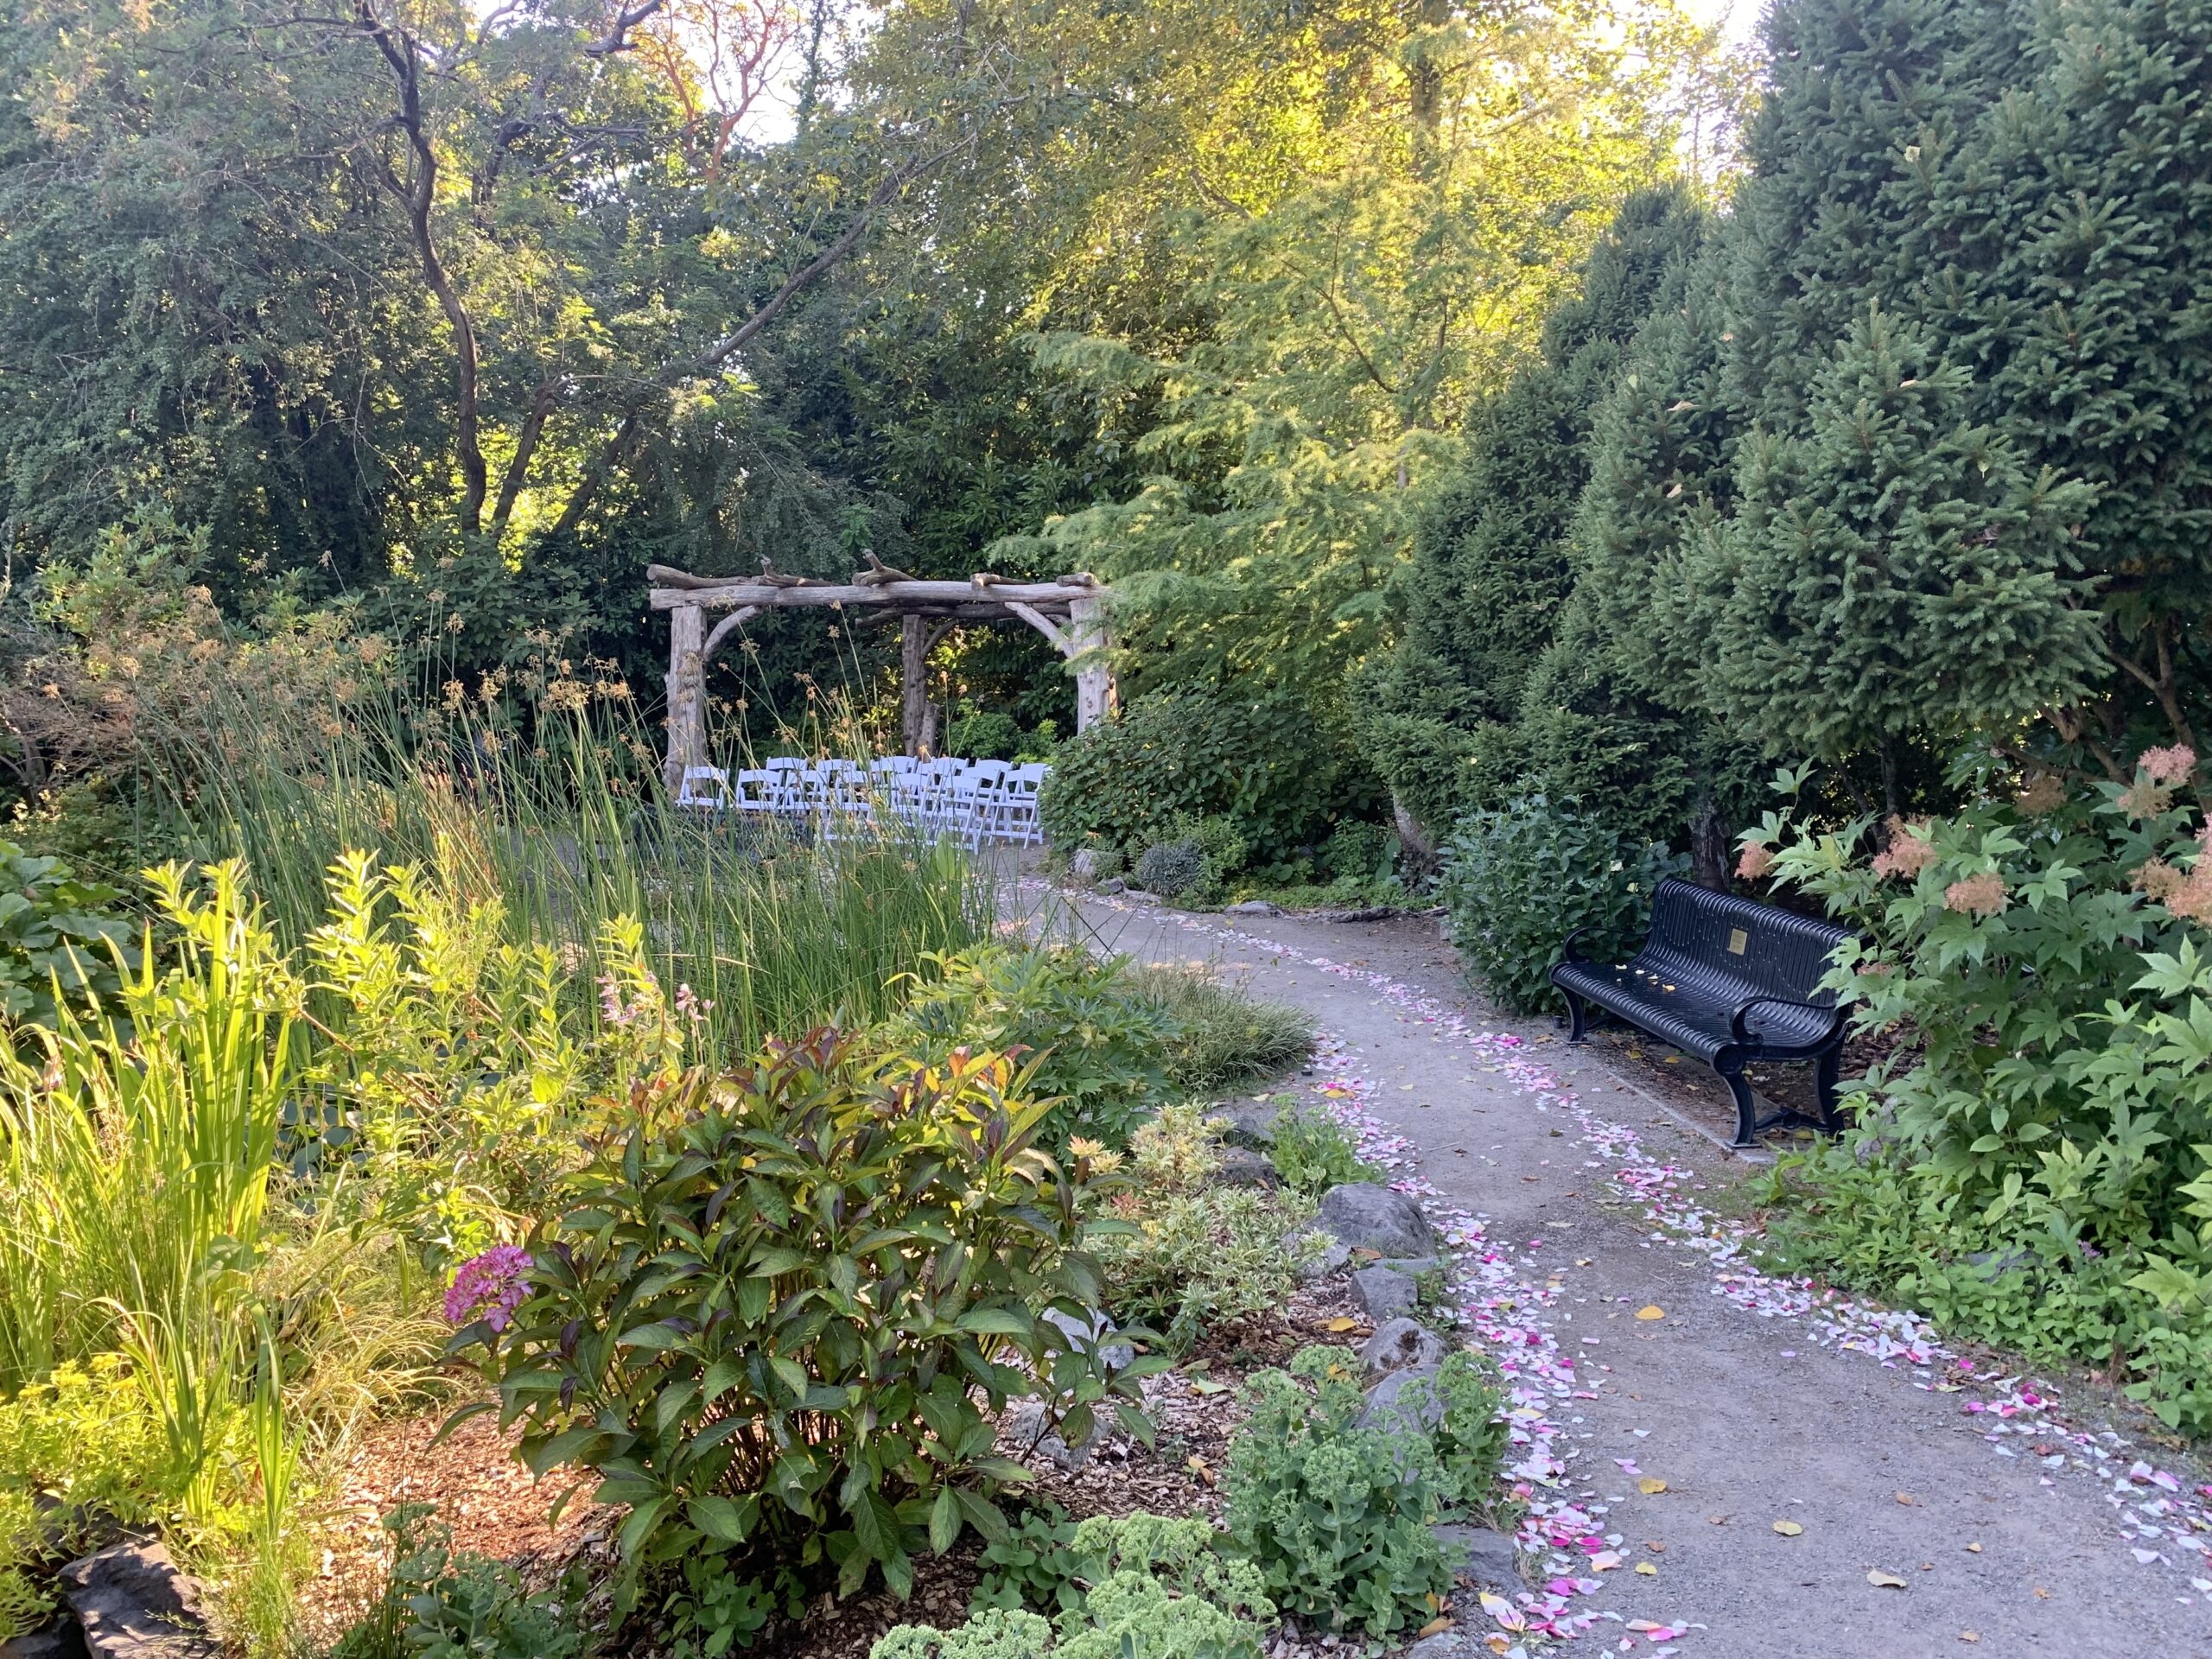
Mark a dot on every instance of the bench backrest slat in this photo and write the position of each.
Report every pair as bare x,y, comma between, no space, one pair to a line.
1735,948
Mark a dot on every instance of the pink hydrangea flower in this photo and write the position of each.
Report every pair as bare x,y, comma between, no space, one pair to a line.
489,1287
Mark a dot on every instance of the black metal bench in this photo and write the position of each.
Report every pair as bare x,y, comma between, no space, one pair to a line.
1728,981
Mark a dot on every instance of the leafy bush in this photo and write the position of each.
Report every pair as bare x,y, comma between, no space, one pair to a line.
1359,852
1152,1588
1312,1151
1096,1042
439,1603
1270,765
777,1309
1337,1517
983,736
1171,868
1197,1255
1225,1039
55,929
1517,881
2037,1169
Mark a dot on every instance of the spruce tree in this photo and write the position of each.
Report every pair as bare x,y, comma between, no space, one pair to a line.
1480,602
1895,571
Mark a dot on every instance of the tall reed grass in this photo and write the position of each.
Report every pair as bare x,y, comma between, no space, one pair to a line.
772,932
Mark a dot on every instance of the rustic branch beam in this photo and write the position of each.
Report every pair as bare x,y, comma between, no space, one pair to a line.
888,595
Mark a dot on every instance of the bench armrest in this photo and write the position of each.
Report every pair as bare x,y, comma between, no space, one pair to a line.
1736,1021
1566,944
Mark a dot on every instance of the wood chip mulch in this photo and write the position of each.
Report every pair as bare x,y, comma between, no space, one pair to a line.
495,1507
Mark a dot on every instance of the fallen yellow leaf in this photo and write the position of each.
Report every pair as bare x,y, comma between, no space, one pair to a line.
1650,1486
1787,1528
1969,1636
1652,1311
1208,1385
1882,1581
1647,1569
1974,1548
1497,1644
1434,1627
1340,1325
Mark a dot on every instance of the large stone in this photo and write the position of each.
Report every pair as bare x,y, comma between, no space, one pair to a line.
1253,907
1383,1294
1369,1216
1083,1332
1250,1123
132,1603
1242,1166
1404,1400
1488,1556
1029,1428
1113,885
1334,1257
1091,864
61,1641
1402,1345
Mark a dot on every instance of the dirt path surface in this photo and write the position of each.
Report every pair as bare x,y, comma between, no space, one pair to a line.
1650,1356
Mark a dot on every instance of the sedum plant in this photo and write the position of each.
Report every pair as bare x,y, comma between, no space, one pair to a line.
1335,1512
777,1315
1147,1587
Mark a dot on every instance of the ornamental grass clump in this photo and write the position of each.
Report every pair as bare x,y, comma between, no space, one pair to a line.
778,1316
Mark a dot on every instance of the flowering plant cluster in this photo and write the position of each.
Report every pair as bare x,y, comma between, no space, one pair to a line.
2043,955
489,1287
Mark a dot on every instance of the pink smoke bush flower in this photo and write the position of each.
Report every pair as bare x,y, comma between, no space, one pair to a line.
1756,860
1908,853
489,1287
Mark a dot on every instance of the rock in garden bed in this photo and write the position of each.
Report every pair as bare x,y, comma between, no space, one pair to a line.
1367,1215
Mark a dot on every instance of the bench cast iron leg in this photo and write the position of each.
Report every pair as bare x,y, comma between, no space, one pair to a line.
1746,1115
1824,1076
1577,1022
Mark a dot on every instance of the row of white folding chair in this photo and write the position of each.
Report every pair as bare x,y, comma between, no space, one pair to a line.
976,800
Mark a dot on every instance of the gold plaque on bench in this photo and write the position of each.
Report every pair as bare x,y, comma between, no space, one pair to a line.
1738,941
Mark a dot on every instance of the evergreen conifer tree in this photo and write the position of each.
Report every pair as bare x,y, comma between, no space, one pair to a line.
1894,572
1481,601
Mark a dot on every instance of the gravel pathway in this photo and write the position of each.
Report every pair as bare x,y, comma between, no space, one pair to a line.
1719,1464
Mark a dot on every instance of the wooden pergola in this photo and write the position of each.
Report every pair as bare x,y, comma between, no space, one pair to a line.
1070,611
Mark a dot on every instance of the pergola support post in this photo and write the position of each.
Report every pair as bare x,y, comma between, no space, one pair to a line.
913,683
1095,696
687,693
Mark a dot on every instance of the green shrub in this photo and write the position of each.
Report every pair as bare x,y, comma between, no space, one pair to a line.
2037,1169
1271,764
1312,1151
984,736
1224,1038
1099,1044
1171,868
1359,852
1517,881
1337,1517
440,1603
1152,1588
777,1312
55,930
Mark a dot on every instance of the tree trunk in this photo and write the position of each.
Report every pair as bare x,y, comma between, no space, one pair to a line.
913,683
1709,846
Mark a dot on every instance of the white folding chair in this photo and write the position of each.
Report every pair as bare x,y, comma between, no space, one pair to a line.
704,787
755,793
1017,809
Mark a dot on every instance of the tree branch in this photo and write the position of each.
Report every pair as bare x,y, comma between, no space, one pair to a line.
416,192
